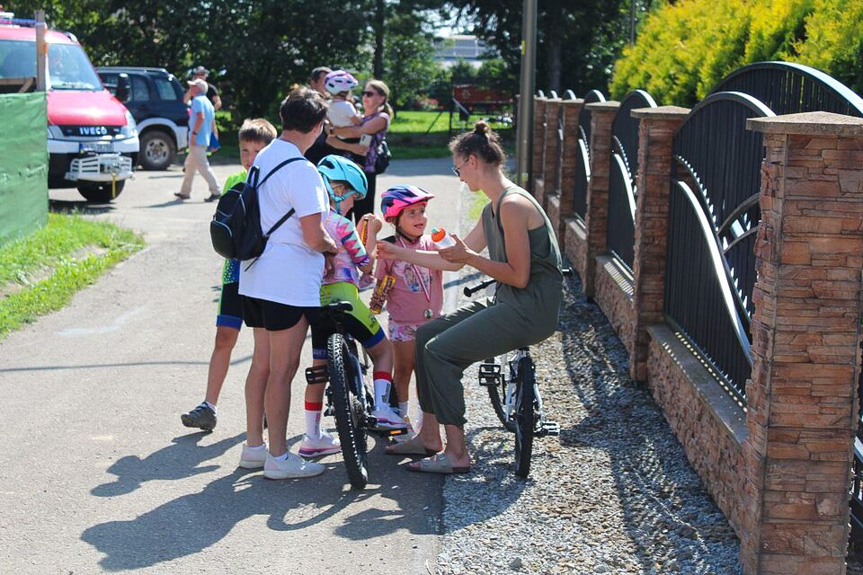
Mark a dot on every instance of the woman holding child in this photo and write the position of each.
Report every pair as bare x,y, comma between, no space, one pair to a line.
525,260
375,123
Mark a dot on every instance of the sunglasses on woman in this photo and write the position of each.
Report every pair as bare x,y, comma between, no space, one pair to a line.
369,94
457,170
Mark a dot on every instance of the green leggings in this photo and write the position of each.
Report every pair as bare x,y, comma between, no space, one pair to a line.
472,333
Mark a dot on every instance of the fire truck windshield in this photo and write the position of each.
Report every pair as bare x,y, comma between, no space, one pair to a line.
68,66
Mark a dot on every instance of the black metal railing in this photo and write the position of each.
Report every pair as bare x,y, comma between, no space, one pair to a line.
582,161
856,542
712,223
555,184
621,185
789,88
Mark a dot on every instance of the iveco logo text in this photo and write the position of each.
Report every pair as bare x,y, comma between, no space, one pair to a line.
93,130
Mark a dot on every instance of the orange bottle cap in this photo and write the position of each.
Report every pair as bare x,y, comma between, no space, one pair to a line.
438,234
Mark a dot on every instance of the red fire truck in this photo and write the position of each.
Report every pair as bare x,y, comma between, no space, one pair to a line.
92,138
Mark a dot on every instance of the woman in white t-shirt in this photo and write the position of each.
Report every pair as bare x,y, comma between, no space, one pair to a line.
280,290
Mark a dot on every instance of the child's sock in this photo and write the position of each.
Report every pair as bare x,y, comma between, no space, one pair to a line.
403,408
210,405
383,383
313,419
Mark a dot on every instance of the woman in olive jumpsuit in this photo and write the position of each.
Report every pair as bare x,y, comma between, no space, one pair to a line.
524,258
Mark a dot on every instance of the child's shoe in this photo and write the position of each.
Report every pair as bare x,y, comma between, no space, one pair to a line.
291,467
253,457
388,418
326,444
202,417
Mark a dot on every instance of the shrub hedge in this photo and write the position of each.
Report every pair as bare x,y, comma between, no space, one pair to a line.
684,49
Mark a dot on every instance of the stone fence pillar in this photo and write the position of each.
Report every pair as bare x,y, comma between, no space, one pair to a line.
538,145
596,216
802,396
569,156
551,161
655,137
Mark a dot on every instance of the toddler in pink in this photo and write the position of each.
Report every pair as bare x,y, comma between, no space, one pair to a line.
417,295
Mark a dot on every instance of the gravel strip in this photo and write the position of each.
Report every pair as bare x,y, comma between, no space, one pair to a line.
613,494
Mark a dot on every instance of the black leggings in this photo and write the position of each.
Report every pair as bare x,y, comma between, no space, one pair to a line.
367,204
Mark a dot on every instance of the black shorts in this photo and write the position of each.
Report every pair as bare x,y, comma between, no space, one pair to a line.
230,308
274,316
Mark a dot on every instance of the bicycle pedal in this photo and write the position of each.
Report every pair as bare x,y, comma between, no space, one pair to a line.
489,374
549,428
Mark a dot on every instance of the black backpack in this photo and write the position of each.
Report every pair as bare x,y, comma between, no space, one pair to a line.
382,161
236,227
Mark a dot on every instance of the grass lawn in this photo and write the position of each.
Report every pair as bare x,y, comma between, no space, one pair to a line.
412,135
39,273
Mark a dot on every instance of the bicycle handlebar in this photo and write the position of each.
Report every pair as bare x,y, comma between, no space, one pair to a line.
470,290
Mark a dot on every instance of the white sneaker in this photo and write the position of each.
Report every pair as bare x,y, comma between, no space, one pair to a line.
291,468
253,457
326,444
388,418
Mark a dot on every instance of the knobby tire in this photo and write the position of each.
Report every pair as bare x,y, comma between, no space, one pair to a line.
347,412
525,417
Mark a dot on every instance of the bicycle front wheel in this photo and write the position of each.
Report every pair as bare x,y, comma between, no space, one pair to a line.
348,410
525,417
497,392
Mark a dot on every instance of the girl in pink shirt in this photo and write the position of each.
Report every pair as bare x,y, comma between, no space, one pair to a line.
417,295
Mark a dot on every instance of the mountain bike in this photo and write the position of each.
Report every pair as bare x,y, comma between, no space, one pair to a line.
510,380
348,397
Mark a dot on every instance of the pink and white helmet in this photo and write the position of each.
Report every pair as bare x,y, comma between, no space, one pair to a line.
339,81
397,198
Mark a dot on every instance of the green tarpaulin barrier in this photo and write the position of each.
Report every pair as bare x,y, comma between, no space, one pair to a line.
23,164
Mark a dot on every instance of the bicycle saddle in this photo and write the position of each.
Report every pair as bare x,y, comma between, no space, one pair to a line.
339,307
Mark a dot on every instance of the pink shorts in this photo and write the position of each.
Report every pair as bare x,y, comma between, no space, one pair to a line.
403,331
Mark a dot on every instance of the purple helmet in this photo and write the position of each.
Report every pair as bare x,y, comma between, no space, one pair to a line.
397,198
340,81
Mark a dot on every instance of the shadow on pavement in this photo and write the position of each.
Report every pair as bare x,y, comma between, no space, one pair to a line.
78,207
190,523
132,471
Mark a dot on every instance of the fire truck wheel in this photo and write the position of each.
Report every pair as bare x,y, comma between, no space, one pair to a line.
100,192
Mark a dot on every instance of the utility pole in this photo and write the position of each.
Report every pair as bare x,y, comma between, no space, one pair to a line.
41,50
524,129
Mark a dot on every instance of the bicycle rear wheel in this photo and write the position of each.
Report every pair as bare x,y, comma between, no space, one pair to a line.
348,410
525,417
497,393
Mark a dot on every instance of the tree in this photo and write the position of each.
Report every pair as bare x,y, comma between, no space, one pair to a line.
410,64
263,46
582,38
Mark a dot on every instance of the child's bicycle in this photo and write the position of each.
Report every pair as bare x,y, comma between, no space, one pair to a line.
348,397
514,393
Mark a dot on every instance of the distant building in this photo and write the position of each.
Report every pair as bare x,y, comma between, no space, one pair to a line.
472,50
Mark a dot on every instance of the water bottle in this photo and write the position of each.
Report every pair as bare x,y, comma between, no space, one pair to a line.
442,239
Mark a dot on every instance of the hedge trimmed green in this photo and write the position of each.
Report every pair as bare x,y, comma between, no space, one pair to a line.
684,49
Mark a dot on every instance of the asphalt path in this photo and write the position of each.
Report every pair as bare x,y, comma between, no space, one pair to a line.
97,473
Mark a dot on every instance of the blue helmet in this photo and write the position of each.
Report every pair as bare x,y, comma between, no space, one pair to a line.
335,168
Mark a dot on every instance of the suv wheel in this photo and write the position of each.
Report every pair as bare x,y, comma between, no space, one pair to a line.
99,192
157,150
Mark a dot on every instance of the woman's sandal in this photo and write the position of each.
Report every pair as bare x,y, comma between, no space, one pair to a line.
440,464
412,446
